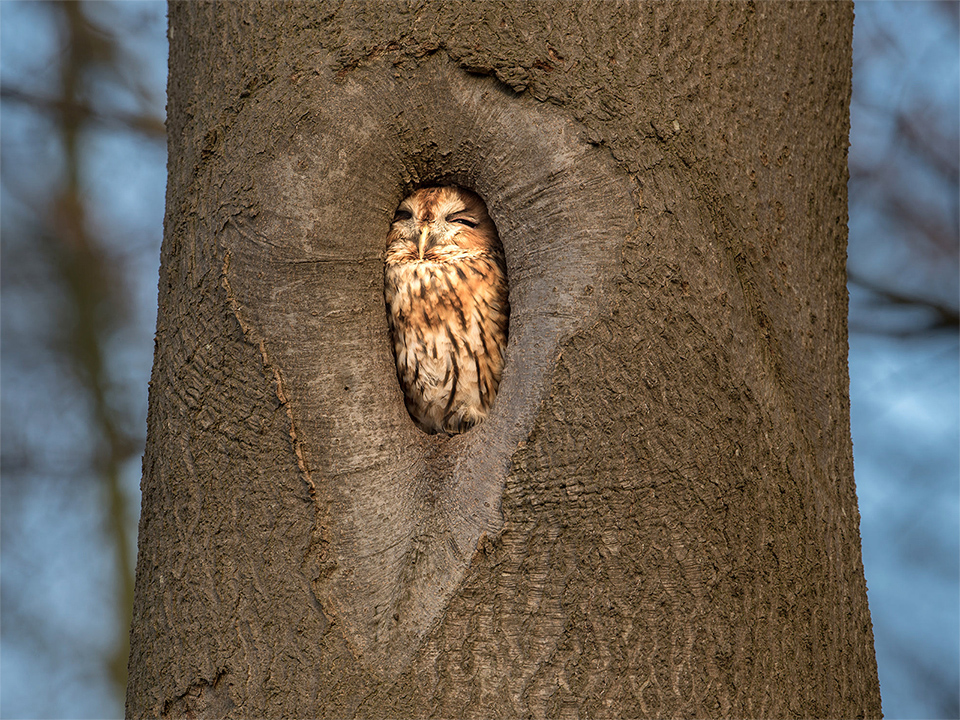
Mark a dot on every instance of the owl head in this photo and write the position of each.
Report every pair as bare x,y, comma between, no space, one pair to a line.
438,224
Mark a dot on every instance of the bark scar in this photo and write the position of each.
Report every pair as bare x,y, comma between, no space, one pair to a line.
204,698
271,368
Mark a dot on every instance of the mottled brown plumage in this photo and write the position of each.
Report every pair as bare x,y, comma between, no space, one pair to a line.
446,292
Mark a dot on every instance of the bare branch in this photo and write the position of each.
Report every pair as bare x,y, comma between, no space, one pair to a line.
149,125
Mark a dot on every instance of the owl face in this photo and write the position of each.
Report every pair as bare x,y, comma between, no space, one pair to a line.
440,224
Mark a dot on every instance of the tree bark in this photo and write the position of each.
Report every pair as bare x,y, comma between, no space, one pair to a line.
659,516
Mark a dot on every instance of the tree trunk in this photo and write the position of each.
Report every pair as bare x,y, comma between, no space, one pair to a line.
658,518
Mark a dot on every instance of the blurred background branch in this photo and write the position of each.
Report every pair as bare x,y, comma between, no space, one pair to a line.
905,171
941,315
148,125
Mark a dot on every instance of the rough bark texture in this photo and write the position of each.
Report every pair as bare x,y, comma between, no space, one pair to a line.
658,518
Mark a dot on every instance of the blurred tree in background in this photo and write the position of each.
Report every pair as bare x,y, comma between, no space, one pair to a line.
83,169
905,414
81,112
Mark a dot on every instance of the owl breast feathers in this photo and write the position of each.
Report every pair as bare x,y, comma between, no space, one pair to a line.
446,293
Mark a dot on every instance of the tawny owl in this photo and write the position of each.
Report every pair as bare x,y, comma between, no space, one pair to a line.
446,292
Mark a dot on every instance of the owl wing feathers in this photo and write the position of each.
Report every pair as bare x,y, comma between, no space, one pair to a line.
448,338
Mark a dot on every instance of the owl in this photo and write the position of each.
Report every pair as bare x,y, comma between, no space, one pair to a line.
445,285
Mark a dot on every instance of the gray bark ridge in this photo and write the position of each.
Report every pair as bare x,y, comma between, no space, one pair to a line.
399,513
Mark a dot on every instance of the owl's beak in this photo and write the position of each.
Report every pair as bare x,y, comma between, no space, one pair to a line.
424,241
